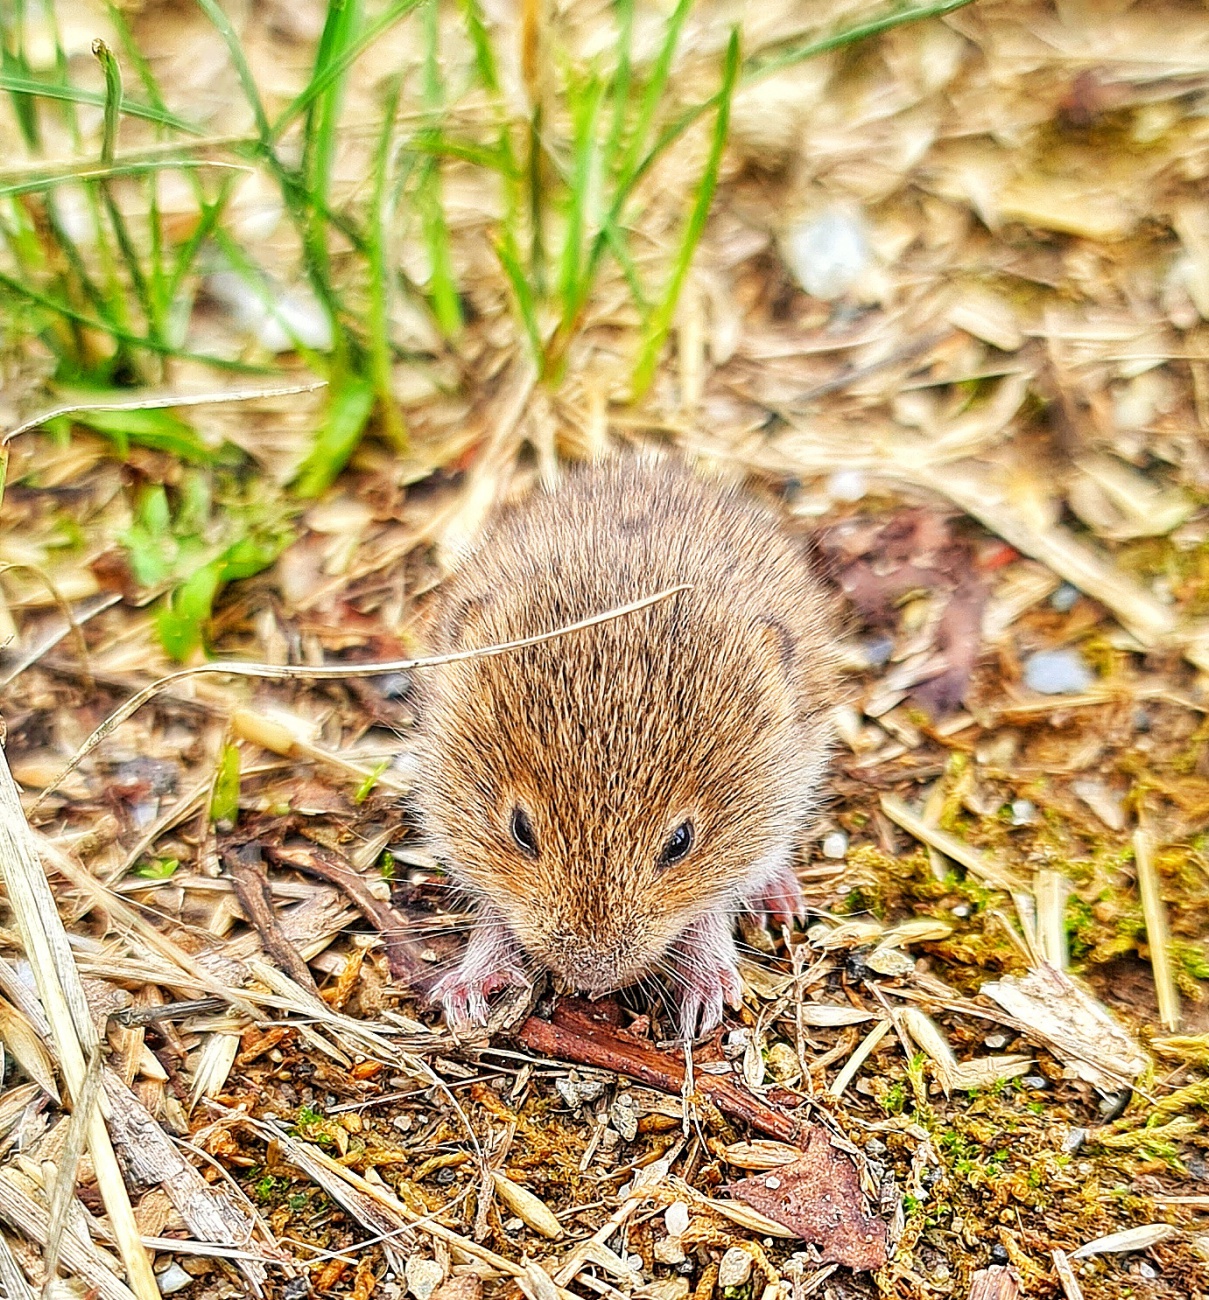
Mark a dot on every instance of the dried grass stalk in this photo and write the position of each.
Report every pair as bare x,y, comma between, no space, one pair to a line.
61,992
1158,933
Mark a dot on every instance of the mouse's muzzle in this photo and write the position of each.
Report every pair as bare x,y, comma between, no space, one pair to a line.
592,966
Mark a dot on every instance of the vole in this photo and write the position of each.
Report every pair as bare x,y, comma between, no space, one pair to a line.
613,798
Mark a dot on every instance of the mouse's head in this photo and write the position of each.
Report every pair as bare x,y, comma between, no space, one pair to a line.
604,790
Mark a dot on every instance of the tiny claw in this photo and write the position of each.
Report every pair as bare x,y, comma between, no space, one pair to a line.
703,959
490,962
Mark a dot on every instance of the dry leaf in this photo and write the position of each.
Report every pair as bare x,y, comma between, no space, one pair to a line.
819,1198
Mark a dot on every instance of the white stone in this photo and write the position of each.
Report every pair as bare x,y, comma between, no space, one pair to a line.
828,253
1057,672
835,845
675,1219
173,1279
734,1269
423,1276
848,485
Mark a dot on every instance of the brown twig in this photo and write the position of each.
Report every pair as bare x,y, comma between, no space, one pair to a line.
576,1037
255,895
404,962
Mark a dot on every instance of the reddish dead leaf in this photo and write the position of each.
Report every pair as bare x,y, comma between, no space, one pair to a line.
819,1197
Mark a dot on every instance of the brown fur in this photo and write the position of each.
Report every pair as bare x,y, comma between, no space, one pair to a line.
711,707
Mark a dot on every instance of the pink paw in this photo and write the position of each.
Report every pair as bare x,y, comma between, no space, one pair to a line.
492,961
701,1003
704,974
780,898
465,999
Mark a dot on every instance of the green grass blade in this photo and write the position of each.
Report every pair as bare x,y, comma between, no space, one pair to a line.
660,320
161,430
621,251
121,231
619,89
352,400
39,182
319,148
484,55
585,110
230,38
652,96
762,65
339,65
505,250
380,274
443,290
61,307
13,61
17,84
113,100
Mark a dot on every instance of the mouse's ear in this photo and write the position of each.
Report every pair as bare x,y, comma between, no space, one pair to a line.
778,643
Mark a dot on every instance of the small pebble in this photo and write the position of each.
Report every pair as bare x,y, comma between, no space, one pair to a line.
875,1147
1074,1140
828,253
423,1276
847,485
999,1254
878,650
1057,672
1035,1081
772,1182
996,1042
675,1220
173,1279
624,1116
635,1263
1147,1270
1024,811
1063,600
735,1268
835,845
576,1091
962,911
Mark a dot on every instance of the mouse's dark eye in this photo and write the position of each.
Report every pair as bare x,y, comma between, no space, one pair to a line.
522,832
678,844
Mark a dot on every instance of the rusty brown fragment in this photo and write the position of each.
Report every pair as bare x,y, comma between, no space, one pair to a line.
405,963
578,1038
246,869
819,1197
999,1282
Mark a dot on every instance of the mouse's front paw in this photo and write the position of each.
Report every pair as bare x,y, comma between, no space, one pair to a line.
492,961
704,974
464,996
779,898
703,994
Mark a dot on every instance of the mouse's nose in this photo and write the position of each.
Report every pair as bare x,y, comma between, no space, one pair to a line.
590,967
